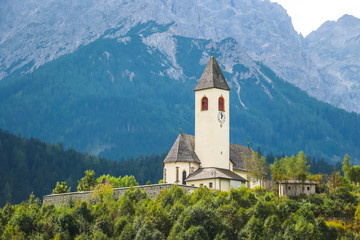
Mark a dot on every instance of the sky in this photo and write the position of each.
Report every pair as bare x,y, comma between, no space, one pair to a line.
308,15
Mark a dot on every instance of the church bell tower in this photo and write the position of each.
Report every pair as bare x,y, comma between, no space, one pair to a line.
212,115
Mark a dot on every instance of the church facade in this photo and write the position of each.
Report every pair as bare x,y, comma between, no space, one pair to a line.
209,159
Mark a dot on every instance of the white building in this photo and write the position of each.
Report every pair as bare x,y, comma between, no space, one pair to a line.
208,159
293,188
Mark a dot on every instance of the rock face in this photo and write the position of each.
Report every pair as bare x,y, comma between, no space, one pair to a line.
334,49
45,30
324,64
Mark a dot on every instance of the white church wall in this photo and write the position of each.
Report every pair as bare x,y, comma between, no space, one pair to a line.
209,183
224,184
293,190
173,171
247,175
218,184
212,138
236,184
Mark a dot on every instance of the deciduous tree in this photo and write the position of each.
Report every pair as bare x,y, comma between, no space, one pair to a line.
87,182
61,188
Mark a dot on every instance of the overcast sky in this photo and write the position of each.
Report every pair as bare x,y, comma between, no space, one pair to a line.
308,15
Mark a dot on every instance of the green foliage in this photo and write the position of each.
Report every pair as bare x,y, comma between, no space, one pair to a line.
290,168
61,188
202,214
149,232
88,182
196,232
126,181
346,166
252,230
354,174
258,166
128,233
30,165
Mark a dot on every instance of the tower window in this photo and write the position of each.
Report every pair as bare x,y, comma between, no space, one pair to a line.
204,103
184,177
221,104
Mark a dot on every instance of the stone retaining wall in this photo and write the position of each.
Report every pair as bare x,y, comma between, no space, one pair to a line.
151,190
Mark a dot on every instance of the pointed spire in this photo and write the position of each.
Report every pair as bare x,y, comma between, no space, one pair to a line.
212,77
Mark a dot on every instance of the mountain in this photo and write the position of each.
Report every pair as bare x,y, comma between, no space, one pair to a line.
129,95
334,49
43,30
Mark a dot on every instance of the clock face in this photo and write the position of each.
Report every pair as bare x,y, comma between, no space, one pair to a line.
221,117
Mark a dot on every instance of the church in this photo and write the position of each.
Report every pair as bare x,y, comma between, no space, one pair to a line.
208,159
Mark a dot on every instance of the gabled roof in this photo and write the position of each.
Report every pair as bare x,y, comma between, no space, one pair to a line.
182,150
211,173
237,155
212,77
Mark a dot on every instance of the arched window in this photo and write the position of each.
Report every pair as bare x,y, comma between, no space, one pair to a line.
204,103
221,104
184,177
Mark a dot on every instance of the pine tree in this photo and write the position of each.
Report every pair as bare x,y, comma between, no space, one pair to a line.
346,166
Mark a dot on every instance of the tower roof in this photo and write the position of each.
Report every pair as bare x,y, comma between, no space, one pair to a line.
212,77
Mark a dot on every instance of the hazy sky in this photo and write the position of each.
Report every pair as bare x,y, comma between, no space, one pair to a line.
308,15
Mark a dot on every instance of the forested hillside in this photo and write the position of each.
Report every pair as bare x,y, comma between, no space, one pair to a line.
240,214
30,165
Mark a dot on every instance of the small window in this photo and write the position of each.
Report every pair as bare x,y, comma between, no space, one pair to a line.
289,188
183,178
221,104
210,185
204,103
201,185
308,188
192,185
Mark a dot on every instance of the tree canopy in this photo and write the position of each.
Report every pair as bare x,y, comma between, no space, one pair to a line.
290,168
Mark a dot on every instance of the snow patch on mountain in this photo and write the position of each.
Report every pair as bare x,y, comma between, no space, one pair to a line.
238,88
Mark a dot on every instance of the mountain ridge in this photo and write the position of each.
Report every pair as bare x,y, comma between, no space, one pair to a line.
45,30
97,97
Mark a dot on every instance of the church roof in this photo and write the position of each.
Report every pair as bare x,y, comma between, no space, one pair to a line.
212,77
237,155
210,173
182,150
